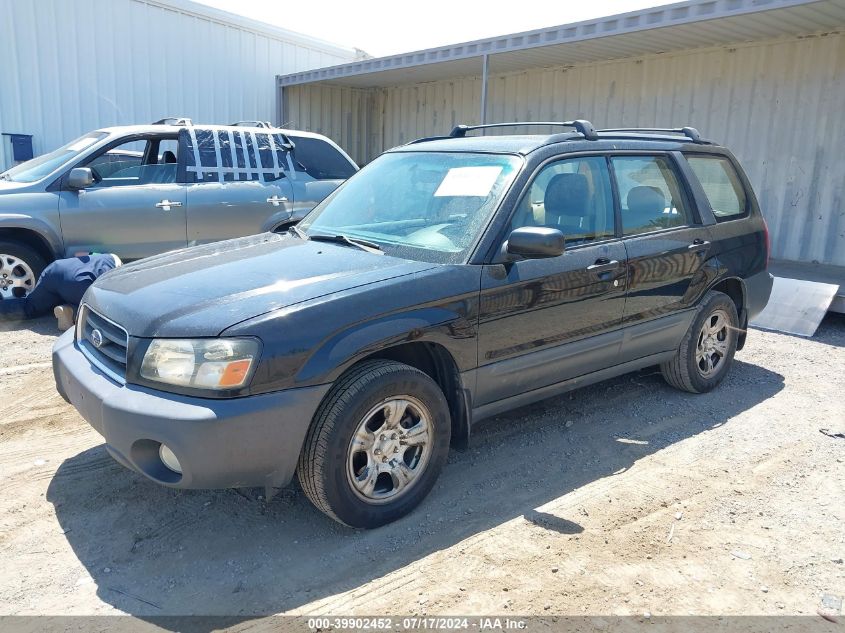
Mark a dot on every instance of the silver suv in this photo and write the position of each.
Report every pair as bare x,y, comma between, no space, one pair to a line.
144,189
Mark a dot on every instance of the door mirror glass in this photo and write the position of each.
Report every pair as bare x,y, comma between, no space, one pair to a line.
536,242
80,178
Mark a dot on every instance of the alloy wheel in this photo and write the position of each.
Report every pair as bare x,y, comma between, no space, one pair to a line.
17,278
712,344
390,449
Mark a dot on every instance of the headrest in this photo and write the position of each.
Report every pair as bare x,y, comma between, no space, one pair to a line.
168,157
646,200
567,195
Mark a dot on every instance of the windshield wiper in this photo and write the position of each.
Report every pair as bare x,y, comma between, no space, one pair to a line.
364,245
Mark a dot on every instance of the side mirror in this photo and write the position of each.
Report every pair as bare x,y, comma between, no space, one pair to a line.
80,178
534,242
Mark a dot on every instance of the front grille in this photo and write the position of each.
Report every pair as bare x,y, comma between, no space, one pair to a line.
106,349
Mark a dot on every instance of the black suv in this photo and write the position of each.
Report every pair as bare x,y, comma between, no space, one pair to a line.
451,279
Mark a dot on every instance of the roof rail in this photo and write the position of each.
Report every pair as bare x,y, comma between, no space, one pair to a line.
426,139
265,124
174,120
690,132
580,125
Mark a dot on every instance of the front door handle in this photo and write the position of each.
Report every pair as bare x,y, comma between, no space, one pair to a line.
699,246
276,200
602,265
166,204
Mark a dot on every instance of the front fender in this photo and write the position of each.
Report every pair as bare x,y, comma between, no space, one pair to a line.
439,325
41,228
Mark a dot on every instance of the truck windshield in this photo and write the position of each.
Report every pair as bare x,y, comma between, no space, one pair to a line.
427,206
40,166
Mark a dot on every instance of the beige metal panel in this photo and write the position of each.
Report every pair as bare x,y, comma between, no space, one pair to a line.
776,104
343,114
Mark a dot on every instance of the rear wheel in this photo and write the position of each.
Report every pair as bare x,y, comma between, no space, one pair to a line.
707,349
377,444
20,268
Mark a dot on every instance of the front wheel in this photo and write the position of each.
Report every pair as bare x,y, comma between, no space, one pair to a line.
707,349
20,268
377,444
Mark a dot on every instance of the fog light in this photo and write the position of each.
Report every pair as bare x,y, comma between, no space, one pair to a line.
169,459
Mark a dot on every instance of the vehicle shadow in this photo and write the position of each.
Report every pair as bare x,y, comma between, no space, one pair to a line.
45,325
155,552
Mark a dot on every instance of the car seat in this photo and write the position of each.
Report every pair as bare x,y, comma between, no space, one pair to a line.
566,205
646,206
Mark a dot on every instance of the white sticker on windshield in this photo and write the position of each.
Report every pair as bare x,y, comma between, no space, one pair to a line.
468,181
82,143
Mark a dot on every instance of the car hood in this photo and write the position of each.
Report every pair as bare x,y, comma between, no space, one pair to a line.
7,186
201,291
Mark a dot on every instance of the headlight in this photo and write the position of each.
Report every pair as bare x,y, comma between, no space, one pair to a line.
221,363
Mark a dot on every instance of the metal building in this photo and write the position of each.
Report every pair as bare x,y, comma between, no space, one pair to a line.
765,77
70,66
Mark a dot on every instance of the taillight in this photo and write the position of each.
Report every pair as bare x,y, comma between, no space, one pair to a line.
768,242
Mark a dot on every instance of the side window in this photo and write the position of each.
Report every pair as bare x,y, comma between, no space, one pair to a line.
721,184
572,195
232,156
649,194
319,159
142,161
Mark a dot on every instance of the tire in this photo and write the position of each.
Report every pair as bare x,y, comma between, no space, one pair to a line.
20,268
335,472
690,369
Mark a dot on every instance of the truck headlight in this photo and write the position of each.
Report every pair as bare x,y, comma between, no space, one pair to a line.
219,363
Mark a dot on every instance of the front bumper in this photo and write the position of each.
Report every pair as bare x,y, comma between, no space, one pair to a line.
238,442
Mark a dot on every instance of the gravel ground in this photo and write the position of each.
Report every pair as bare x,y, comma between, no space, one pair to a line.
626,497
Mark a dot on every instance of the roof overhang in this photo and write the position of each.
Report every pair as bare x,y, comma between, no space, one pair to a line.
673,27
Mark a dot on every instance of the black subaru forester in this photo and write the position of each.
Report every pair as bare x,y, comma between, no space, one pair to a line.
451,279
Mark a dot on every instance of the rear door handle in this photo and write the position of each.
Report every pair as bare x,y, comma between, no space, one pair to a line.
166,204
602,266
276,200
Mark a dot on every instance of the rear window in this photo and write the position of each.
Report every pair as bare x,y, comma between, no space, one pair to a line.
320,160
721,184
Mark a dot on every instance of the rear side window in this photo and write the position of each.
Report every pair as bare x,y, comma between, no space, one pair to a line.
649,194
232,155
721,184
319,159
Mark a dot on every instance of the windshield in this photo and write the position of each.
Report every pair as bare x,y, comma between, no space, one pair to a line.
423,206
40,166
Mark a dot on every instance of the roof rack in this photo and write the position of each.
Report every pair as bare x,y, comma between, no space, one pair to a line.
174,120
585,128
264,124
690,132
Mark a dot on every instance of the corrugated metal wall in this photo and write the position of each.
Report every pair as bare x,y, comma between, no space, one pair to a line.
70,66
779,105
351,115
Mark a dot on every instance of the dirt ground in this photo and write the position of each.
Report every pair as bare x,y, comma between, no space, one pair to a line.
623,498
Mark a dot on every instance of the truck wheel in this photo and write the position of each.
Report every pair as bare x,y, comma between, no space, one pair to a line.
376,445
20,268
707,349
